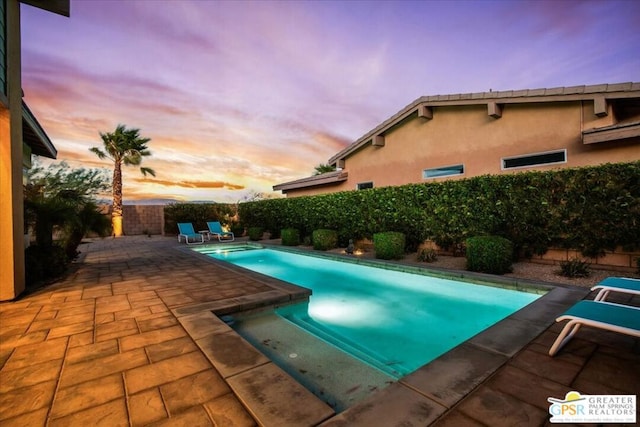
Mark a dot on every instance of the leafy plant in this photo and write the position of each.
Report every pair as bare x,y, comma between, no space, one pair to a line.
44,262
389,245
61,198
290,237
575,268
255,233
427,255
324,239
489,254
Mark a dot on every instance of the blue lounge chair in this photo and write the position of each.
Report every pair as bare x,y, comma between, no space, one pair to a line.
215,229
623,319
616,284
185,229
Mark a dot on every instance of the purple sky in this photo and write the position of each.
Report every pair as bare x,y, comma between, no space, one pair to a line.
238,96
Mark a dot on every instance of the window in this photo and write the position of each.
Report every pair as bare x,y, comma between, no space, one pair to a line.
364,185
443,171
535,159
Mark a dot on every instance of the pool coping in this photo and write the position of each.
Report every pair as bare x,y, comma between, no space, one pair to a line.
421,396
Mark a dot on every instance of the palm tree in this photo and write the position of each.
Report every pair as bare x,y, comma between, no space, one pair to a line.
123,146
323,168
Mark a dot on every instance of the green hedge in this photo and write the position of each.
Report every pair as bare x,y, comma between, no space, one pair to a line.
290,237
324,239
198,214
489,254
591,209
389,245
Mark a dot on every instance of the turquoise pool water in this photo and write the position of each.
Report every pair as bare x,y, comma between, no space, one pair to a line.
394,321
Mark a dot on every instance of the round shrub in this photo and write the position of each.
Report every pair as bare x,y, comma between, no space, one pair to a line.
290,237
255,233
324,239
389,245
489,254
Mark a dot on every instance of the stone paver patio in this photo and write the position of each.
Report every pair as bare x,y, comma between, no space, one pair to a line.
129,338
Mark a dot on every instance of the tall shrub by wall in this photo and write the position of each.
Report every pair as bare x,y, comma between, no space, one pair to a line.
591,209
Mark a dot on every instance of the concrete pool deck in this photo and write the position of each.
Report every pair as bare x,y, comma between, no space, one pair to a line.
129,338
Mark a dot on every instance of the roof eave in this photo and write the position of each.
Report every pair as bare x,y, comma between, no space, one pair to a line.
565,94
313,181
611,133
34,135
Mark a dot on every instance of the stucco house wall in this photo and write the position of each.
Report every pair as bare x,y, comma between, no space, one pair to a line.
479,134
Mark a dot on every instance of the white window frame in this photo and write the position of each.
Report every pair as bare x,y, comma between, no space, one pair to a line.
362,183
457,166
524,156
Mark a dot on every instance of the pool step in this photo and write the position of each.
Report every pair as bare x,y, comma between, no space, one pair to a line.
331,374
367,355
271,395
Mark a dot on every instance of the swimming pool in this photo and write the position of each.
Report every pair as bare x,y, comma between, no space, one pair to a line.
393,321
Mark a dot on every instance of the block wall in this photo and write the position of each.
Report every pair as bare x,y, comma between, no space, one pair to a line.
138,219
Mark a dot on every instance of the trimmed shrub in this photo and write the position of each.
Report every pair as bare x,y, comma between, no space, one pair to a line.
574,268
489,254
324,239
44,263
427,255
290,237
389,245
237,229
255,233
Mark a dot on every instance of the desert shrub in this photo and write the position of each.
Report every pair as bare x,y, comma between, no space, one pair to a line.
489,254
574,268
255,233
427,255
324,239
44,263
290,237
389,245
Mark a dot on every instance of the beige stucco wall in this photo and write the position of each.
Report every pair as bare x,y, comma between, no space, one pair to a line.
468,135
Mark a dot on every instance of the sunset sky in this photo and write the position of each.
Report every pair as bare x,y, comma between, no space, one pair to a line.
238,96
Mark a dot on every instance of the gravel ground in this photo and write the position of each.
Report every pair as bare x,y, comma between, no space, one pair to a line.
526,270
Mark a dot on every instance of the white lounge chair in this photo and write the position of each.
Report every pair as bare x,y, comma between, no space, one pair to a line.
185,229
623,319
215,229
616,284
